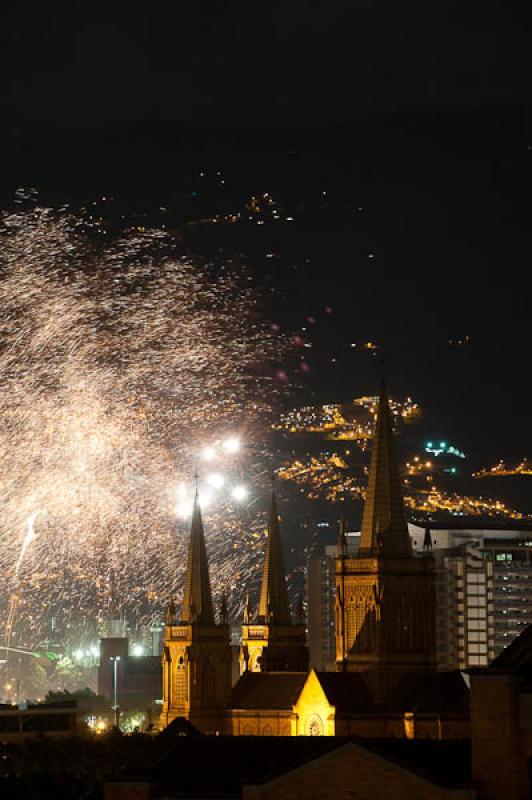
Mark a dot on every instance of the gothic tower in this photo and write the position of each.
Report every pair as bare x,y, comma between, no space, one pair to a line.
272,642
385,603
197,652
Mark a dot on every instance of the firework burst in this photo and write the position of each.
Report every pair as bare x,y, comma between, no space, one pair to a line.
117,365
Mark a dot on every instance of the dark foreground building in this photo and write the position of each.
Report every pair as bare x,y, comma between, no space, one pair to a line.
52,719
197,766
501,723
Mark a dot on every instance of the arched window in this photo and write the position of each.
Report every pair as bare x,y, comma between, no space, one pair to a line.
315,726
180,682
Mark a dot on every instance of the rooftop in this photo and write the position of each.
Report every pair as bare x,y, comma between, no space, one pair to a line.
278,690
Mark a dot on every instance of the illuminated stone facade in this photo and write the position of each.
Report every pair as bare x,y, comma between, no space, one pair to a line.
197,653
272,642
385,598
386,684
196,675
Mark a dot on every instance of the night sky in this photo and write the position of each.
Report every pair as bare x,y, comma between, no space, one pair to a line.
413,118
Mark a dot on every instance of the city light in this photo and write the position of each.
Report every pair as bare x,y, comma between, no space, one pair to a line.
208,453
185,500
443,447
216,480
353,421
231,445
137,650
504,470
239,493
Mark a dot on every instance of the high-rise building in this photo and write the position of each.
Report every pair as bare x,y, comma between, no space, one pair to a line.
510,559
483,589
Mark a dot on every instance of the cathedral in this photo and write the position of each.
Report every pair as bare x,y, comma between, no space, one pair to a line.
385,684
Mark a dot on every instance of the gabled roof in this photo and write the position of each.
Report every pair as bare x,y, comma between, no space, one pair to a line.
346,691
219,766
197,599
279,690
432,692
164,741
384,528
238,761
446,762
517,657
273,602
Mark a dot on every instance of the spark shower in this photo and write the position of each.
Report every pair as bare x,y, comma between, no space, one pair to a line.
119,362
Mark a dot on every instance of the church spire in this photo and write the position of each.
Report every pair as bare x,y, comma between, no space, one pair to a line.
342,543
384,527
273,604
197,599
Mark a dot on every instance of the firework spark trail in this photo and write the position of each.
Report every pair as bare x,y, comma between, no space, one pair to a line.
29,537
115,365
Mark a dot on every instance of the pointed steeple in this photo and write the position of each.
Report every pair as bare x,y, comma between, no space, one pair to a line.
273,604
170,612
197,600
384,527
224,611
248,610
341,546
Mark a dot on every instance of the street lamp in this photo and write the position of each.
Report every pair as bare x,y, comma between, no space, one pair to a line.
116,708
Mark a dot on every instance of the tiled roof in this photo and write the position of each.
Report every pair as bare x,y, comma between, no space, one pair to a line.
432,692
517,657
346,691
267,690
220,766
445,762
